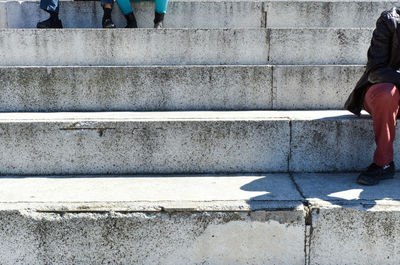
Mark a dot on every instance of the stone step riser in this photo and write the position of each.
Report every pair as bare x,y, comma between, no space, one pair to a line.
180,14
135,147
132,47
158,238
183,46
176,88
135,88
192,143
329,14
197,14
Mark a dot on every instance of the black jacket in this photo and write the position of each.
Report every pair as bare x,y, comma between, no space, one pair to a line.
383,59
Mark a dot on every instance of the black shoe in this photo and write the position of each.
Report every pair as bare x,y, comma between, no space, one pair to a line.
51,23
374,173
107,23
130,21
158,20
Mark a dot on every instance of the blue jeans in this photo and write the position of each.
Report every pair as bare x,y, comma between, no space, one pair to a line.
54,5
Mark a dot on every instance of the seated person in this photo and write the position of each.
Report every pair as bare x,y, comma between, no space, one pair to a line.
52,7
126,9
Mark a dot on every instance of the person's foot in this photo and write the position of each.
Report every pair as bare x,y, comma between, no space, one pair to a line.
50,23
158,20
107,23
130,21
374,173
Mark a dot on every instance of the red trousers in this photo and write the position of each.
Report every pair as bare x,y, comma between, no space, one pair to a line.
382,102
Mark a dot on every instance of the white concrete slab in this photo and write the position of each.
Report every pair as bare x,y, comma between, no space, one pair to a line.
32,47
330,14
180,14
150,193
342,190
148,143
307,87
151,220
319,46
140,88
364,221
263,237
331,141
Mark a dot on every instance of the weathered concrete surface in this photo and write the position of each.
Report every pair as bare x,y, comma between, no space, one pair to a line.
185,142
150,193
352,224
135,88
334,14
143,142
151,220
181,14
319,46
313,87
160,88
139,238
183,46
331,141
3,15
32,47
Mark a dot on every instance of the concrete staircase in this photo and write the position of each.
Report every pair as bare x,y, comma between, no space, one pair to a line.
220,139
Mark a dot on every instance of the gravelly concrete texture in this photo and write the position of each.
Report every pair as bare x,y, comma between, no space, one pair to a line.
159,238
306,87
358,224
143,142
135,88
132,46
319,46
43,232
184,46
160,88
333,14
181,14
184,142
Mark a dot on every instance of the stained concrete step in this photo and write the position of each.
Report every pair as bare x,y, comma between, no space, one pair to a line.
160,88
208,14
199,219
329,14
254,219
184,142
181,14
33,47
344,215
132,46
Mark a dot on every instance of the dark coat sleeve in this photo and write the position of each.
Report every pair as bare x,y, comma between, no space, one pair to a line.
380,51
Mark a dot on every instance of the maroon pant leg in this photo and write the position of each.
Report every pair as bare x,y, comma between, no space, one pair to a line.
382,102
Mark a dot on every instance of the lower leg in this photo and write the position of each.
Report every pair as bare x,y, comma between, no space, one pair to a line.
382,102
160,10
107,21
127,11
51,7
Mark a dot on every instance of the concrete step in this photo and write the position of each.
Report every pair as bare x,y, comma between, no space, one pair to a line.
208,14
199,219
184,142
181,14
132,47
172,88
183,46
257,219
329,14
344,215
